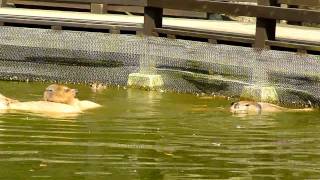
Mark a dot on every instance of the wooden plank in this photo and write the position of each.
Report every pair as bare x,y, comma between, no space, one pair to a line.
131,9
182,13
119,2
51,4
208,35
145,2
294,22
212,38
297,45
301,2
110,7
290,2
63,23
167,12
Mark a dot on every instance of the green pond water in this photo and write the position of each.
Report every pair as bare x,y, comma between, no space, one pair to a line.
149,135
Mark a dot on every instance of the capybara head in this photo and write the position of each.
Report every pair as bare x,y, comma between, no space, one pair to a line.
245,107
59,94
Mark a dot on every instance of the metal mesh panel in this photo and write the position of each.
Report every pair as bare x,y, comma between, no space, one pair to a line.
186,66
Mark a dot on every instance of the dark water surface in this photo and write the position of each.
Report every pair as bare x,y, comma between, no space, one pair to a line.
149,135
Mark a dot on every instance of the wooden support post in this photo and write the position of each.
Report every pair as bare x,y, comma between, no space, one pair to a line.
212,41
152,20
3,3
171,36
302,51
114,30
55,27
99,8
265,28
139,33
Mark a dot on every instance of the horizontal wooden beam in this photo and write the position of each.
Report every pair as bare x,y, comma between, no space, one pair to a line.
70,23
110,7
301,2
231,37
290,2
145,2
207,35
119,2
293,45
51,4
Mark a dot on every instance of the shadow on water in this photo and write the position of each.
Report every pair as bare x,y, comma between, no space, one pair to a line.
150,135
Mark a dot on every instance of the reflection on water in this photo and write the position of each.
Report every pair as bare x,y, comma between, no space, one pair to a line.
150,135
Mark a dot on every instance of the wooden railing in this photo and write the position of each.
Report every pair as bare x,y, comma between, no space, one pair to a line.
267,13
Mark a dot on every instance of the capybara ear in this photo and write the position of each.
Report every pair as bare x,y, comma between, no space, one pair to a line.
232,103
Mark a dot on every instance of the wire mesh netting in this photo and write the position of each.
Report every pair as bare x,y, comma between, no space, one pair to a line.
185,66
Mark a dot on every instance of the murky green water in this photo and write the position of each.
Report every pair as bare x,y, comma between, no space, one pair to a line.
148,135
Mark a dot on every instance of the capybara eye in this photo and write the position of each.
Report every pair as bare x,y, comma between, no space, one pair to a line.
247,104
66,90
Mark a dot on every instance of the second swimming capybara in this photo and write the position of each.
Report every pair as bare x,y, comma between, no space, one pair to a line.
249,107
